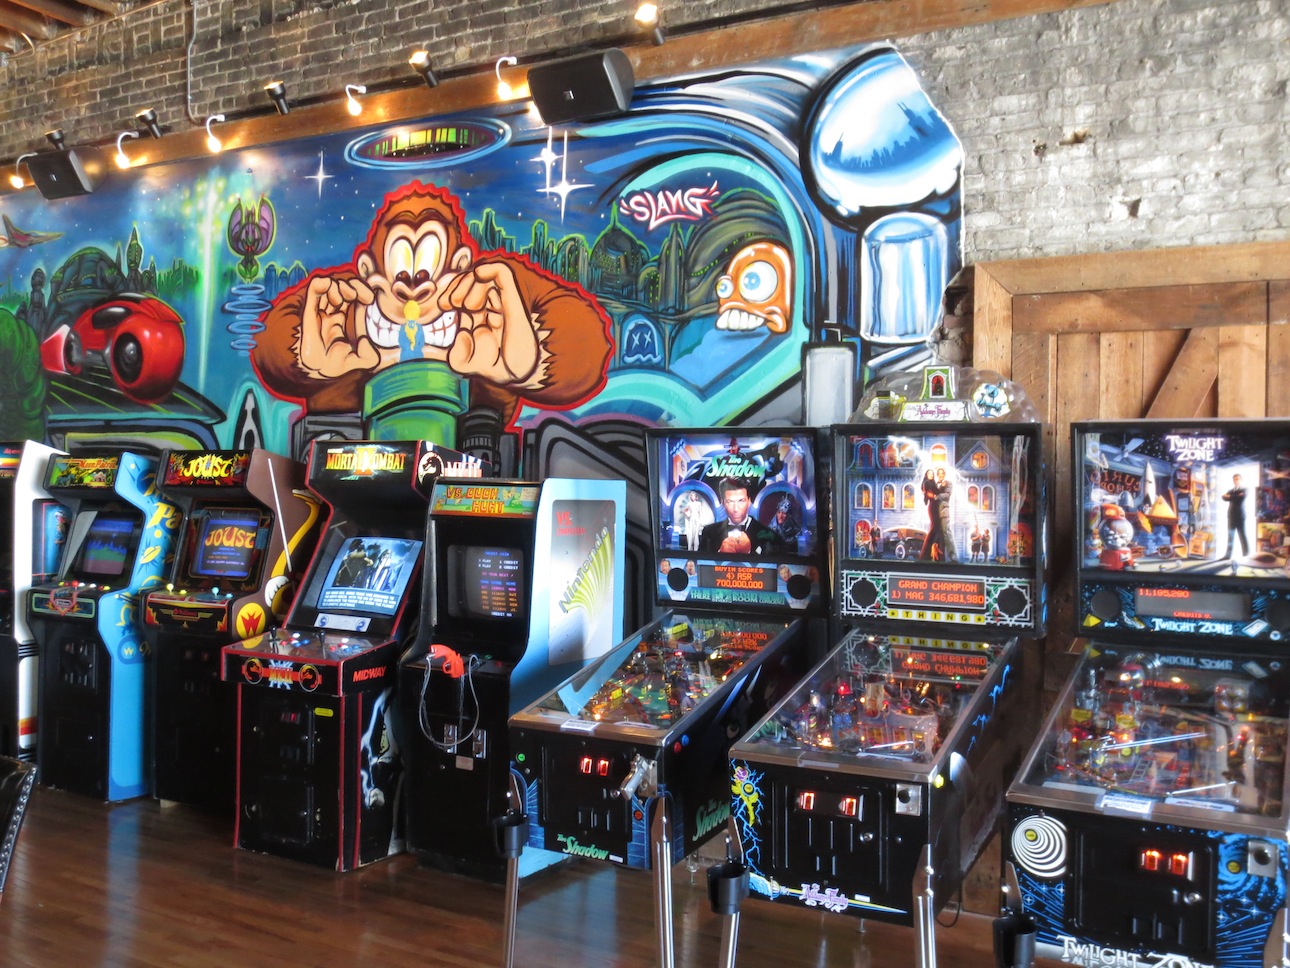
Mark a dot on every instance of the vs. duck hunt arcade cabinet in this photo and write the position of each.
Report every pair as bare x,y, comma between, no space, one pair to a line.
1148,825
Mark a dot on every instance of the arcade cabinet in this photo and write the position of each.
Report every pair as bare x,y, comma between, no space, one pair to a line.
523,588
626,761
94,696
33,527
1149,823
319,768
873,785
249,531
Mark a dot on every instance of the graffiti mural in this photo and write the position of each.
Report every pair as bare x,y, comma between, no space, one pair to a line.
482,278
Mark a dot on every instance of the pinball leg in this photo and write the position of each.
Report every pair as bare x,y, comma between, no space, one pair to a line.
925,910
661,845
728,886
511,829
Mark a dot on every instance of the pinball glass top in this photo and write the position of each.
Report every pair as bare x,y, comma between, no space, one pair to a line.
878,699
659,677
1141,732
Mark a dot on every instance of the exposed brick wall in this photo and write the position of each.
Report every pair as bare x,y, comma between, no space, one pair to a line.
1135,124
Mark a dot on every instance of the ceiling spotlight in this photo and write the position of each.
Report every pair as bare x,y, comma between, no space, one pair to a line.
147,118
277,92
420,62
122,159
16,179
351,102
649,18
504,90
56,138
213,143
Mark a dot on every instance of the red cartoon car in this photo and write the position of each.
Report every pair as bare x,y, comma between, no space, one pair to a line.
138,339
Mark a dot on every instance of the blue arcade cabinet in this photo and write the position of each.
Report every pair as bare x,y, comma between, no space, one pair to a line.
94,696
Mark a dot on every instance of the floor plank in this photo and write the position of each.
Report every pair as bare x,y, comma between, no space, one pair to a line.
136,884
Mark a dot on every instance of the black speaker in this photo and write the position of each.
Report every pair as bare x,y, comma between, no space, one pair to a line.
581,88
72,171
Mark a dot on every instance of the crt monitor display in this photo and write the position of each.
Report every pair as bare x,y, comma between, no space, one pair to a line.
944,496
108,546
369,575
225,543
486,582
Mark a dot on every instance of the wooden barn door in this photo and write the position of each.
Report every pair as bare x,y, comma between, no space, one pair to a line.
1189,332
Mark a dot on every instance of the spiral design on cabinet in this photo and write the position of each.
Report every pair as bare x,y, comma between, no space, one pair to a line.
1039,846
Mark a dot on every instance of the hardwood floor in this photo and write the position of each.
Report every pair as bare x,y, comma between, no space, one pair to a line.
137,884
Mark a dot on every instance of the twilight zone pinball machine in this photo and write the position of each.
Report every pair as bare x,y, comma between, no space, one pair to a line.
1148,823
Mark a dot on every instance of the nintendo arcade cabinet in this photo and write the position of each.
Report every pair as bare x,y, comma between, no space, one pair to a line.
95,698
33,527
523,588
626,761
872,786
249,531
1149,822
319,768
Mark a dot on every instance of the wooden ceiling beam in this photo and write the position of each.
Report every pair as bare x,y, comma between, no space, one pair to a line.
22,21
72,14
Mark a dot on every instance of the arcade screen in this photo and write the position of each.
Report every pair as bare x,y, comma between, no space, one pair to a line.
736,516
108,546
946,496
486,582
1162,499
369,575
226,542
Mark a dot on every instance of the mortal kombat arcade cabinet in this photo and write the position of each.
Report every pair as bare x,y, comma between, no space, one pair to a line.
319,768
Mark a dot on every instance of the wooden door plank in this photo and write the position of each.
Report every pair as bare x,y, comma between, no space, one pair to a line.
1159,350
1191,379
1190,265
1162,307
1242,371
1120,376
1278,362
992,327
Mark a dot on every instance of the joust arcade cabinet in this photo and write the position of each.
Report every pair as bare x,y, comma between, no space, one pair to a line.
1148,824
871,788
94,695
33,527
524,586
249,532
319,768
626,761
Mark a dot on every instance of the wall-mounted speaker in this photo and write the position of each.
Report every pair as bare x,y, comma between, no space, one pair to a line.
72,171
595,85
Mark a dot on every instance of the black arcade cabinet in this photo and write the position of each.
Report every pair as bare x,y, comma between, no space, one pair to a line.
523,587
626,761
249,532
319,768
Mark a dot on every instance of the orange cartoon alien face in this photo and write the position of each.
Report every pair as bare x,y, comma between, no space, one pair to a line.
756,289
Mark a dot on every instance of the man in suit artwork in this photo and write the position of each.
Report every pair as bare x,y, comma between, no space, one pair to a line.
1235,498
740,533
